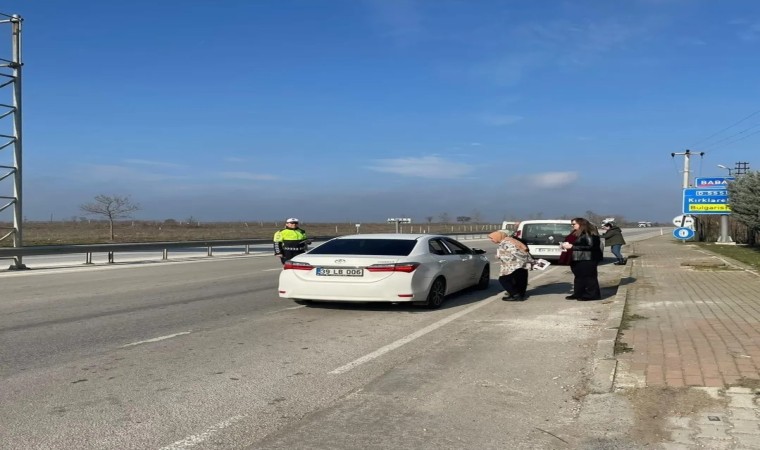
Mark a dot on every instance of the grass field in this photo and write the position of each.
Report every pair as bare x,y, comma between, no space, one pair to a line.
741,253
97,232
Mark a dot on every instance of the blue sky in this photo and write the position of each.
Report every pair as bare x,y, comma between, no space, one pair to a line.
360,110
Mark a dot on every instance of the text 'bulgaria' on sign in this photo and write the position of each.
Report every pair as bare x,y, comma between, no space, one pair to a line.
706,201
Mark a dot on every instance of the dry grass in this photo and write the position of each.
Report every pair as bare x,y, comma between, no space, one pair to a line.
97,232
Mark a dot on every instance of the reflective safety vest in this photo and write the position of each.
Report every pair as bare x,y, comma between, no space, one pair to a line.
290,240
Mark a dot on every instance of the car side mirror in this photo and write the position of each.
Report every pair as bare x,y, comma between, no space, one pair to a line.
478,251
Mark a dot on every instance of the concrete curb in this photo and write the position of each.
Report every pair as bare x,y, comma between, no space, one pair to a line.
605,363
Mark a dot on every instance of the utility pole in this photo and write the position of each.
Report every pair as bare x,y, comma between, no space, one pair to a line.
686,165
741,168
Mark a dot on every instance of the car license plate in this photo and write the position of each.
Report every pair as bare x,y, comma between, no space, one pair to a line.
325,272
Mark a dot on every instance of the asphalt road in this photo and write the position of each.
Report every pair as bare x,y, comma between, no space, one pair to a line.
203,354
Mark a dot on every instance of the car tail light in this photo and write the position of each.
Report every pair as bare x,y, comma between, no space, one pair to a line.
295,265
400,267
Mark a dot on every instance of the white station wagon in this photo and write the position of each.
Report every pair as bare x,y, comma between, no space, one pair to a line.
544,236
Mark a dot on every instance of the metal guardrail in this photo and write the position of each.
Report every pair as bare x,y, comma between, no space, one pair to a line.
89,249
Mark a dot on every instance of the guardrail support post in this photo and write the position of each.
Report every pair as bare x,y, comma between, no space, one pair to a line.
165,254
110,257
210,251
88,258
247,249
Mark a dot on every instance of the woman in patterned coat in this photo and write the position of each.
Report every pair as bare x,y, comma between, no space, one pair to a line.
514,262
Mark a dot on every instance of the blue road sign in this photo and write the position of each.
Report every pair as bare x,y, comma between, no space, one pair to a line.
712,182
706,201
683,233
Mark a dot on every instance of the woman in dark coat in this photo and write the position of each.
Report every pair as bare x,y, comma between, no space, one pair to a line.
586,255
613,238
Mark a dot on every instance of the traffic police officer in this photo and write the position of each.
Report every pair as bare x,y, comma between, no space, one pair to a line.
290,241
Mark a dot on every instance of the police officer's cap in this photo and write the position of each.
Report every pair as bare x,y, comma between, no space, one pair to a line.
292,220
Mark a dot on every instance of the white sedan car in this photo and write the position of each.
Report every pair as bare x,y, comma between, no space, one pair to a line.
418,268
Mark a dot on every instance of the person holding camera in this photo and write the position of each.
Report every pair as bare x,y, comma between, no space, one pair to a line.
613,237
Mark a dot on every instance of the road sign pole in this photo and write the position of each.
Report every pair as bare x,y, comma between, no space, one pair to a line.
724,237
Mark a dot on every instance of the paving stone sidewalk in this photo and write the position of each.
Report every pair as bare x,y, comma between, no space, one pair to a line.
694,321
696,317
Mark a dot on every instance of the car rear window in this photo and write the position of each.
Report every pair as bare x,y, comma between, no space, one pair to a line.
383,247
545,233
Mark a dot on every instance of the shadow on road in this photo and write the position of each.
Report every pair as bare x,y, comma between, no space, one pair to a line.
461,298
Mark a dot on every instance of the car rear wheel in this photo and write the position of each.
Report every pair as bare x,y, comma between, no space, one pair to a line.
437,294
485,279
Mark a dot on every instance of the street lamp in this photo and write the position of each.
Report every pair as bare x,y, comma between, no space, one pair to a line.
727,168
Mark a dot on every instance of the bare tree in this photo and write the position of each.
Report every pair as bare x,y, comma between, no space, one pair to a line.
111,207
444,217
593,217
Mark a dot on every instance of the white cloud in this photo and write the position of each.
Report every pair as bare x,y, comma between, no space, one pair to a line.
424,167
500,120
508,70
560,43
246,176
751,32
690,41
400,19
145,162
115,174
553,179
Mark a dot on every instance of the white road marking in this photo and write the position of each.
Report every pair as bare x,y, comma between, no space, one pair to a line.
405,340
272,270
192,441
156,339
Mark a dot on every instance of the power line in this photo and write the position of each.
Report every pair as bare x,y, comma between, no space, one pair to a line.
728,127
737,140
731,136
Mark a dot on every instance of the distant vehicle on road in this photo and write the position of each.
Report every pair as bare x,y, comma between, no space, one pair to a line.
508,226
544,236
645,224
422,269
